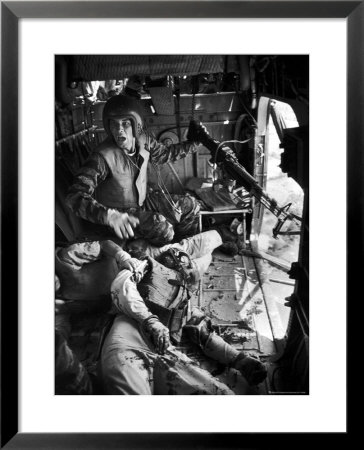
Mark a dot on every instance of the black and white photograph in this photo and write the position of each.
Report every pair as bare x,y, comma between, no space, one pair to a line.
181,214
181,224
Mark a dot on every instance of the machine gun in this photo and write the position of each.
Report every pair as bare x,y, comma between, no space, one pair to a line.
224,155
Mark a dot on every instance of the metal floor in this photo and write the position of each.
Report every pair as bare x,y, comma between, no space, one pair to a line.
247,310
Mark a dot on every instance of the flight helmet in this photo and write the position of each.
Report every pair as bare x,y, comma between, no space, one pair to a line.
123,107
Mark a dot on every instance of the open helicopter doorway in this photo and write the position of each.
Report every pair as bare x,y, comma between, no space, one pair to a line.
274,119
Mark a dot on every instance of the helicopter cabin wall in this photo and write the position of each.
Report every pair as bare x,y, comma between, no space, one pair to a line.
218,112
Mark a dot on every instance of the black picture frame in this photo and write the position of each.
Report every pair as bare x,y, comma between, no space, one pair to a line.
11,12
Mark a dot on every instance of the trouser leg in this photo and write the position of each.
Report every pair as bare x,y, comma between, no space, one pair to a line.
176,374
71,377
125,373
200,265
182,212
200,331
200,248
201,244
188,224
154,227
126,364
197,246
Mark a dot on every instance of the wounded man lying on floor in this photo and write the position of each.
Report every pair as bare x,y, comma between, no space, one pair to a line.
151,298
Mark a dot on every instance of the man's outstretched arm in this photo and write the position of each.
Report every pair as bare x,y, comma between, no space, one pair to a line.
162,154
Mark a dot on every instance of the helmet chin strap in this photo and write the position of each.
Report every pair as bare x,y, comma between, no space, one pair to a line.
132,151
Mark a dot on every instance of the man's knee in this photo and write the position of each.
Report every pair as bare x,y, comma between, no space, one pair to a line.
189,205
155,228
189,223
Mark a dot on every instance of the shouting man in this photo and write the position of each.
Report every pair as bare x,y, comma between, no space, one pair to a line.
111,188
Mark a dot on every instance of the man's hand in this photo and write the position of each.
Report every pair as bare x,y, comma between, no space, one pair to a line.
159,334
135,266
251,368
197,133
122,223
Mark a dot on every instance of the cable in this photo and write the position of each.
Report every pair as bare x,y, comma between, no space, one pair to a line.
165,190
246,109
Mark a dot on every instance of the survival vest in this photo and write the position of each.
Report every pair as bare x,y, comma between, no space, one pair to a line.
126,187
164,292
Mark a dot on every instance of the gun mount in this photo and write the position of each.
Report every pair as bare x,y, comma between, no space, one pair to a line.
225,156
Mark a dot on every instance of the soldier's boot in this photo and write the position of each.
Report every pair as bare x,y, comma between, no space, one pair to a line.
229,241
